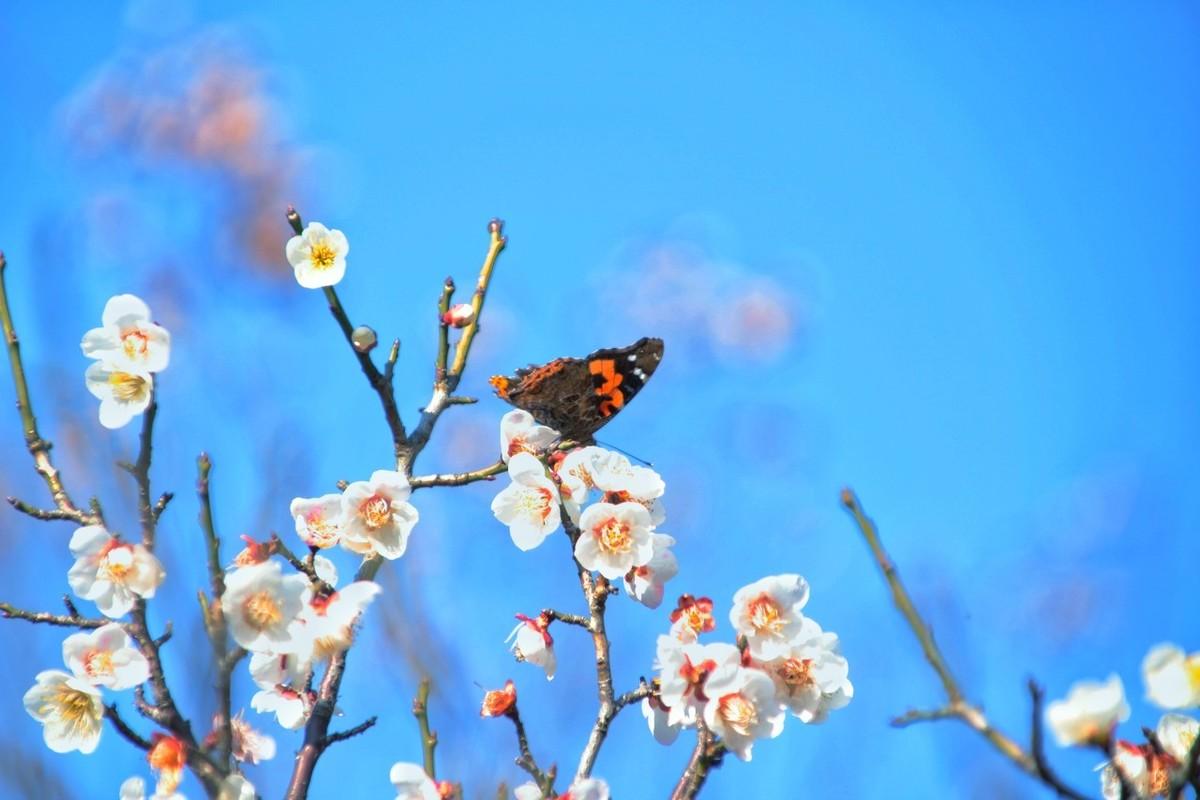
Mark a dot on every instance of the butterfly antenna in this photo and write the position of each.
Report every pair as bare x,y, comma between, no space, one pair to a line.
625,452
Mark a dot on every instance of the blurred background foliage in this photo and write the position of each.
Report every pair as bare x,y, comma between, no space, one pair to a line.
947,255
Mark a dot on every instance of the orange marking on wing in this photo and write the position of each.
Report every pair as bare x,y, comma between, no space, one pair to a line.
613,403
500,384
606,369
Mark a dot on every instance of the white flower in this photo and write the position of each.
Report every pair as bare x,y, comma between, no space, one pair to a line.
658,720
318,520
528,791
259,605
377,515
1089,713
1172,677
69,709
412,783
528,505
318,256
614,539
532,642
811,676
278,677
576,472
620,482
135,789
123,395
587,789
128,340
1177,734
742,708
520,434
110,572
327,622
1133,765
236,787
647,583
106,657
767,613
684,670
249,744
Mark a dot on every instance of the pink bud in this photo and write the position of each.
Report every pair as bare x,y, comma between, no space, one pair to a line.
460,315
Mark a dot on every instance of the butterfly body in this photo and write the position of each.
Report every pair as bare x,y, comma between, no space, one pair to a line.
578,396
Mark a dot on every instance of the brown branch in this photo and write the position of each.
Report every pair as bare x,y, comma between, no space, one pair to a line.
569,619
130,735
429,740
275,544
214,617
447,376
707,754
342,736
1037,747
161,505
526,761
957,707
9,611
459,478
381,382
38,447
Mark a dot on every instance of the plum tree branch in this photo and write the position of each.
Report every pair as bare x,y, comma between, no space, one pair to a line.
957,707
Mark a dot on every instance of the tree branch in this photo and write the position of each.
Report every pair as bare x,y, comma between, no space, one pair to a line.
381,382
38,447
707,754
9,611
526,761
957,706
130,735
429,740
459,478
342,736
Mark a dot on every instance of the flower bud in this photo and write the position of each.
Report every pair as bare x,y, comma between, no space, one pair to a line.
364,339
499,702
459,316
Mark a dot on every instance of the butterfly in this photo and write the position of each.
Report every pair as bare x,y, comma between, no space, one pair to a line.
578,396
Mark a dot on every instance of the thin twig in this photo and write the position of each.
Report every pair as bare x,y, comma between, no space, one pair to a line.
9,611
380,382
132,736
161,505
526,761
214,617
38,447
303,566
458,478
569,619
447,377
341,736
429,740
1037,747
957,706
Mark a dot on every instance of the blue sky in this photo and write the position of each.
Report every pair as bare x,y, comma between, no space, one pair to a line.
947,256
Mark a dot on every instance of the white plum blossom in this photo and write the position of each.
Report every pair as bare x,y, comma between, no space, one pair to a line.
111,573
236,787
587,789
519,433
528,791
279,678
532,642
1089,713
647,583
70,710
1133,765
318,256
377,516
1177,734
620,481
691,617
1172,677
658,720
106,657
742,708
412,783
127,340
576,472
684,670
249,744
318,519
326,624
135,789
614,539
259,605
768,614
123,395
811,677
528,505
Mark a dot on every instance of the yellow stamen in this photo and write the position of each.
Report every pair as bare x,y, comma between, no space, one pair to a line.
738,713
135,343
613,536
127,387
764,615
376,511
262,611
796,673
322,255
98,662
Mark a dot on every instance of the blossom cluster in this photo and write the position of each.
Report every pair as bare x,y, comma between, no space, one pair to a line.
1092,710
128,349
783,662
